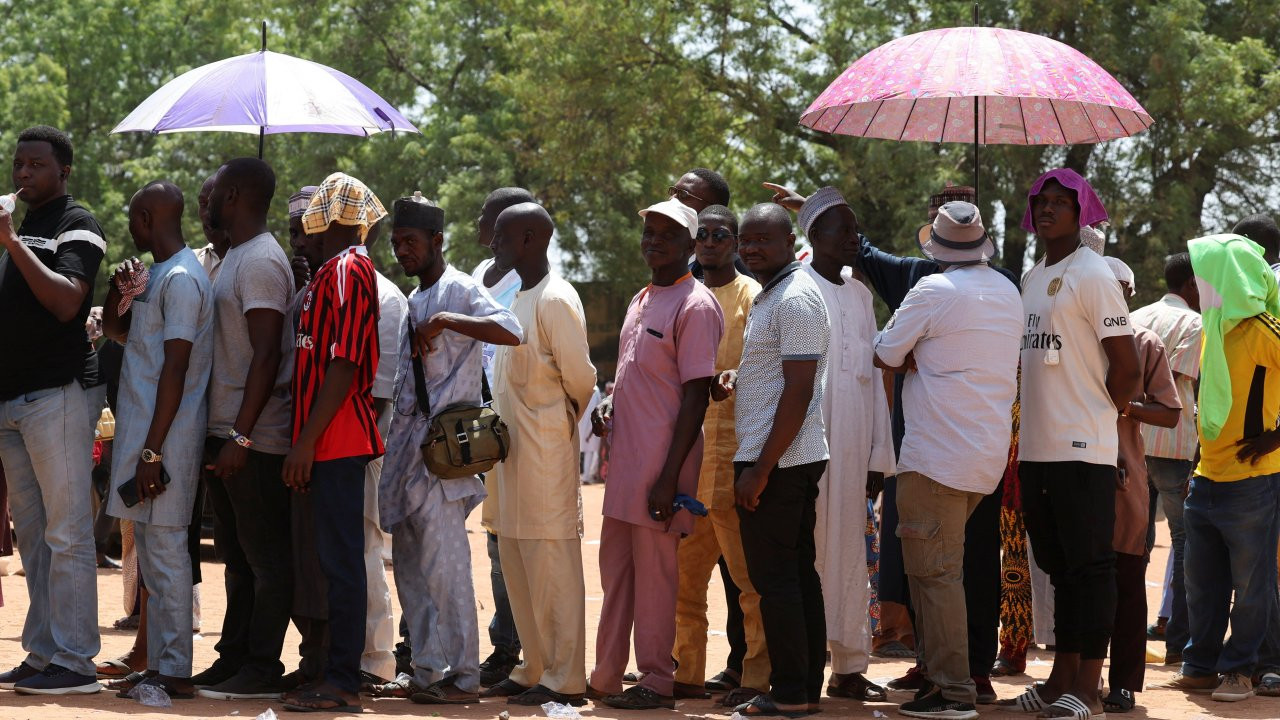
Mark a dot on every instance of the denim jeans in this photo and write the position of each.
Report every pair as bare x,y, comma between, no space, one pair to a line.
1231,547
502,628
165,563
1169,478
46,447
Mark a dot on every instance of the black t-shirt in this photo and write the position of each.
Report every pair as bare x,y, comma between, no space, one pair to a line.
38,351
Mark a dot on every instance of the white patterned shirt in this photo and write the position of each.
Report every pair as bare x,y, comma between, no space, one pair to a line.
1179,329
788,321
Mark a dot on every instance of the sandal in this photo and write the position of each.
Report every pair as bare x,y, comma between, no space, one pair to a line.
632,678
402,687
437,693
1118,700
128,682
340,705
506,688
855,686
741,695
1005,667
726,681
114,669
1028,702
1075,707
764,706
541,694
155,681
639,697
893,649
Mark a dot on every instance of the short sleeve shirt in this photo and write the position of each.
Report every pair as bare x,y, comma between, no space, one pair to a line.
339,320
669,337
1179,329
40,351
1067,413
715,483
393,307
254,275
788,322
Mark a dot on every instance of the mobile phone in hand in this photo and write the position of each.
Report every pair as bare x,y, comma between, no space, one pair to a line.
129,489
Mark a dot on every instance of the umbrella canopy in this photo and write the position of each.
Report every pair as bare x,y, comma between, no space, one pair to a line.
265,93
1029,90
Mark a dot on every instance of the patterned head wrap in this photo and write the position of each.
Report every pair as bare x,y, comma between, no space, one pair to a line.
818,203
344,200
299,201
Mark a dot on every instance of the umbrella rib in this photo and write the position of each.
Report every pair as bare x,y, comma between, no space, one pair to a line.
1022,111
1061,130
942,135
907,121
1092,125
879,105
1119,122
847,109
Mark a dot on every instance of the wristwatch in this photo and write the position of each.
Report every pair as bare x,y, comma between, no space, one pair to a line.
241,440
151,456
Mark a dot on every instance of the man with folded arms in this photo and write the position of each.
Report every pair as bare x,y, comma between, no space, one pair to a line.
955,337
543,387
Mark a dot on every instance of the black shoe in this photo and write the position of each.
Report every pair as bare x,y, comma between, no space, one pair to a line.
57,680
404,658
16,675
934,705
217,673
498,666
243,687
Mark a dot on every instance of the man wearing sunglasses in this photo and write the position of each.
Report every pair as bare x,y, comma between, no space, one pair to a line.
699,189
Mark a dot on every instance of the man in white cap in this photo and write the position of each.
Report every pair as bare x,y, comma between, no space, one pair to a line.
956,338
666,361
858,432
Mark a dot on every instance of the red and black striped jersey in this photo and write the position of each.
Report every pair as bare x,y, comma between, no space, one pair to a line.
339,320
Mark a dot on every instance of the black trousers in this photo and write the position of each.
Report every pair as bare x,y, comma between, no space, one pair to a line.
734,629
777,539
982,583
251,535
1070,512
1129,638
337,489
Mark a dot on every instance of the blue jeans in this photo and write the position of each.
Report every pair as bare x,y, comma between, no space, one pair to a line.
46,446
1169,478
1231,547
164,561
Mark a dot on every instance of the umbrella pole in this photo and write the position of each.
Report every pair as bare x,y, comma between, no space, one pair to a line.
262,136
976,136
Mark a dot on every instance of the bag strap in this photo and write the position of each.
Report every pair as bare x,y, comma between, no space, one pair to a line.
485,395
419,379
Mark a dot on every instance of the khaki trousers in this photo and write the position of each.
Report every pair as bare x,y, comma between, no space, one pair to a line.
931,523
548,601
715,535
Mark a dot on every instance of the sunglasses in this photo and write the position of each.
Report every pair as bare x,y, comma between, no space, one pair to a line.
719,235
684,195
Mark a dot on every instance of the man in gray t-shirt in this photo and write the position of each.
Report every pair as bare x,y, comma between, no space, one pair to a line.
249,435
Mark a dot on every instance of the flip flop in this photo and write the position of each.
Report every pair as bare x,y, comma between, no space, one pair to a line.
893,649
764,706
539,695
1028,702
741,695
1075,706
113,669
128,682
725,681
402,688
340,705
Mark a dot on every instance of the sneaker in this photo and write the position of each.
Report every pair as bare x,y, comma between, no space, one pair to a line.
16,675
57,680
498,666
217,673
986,693
1233,688
1268,685
934,705
1191,683
242,687
912,681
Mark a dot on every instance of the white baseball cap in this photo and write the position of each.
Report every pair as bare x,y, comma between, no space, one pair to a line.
677,211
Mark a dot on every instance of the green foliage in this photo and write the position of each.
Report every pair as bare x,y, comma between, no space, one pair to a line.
597,106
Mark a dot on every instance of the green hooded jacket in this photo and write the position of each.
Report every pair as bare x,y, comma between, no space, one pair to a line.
1235,283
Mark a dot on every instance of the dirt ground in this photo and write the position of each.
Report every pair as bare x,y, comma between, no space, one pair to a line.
1152,703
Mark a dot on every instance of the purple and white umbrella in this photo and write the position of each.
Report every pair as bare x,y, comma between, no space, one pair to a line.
265,93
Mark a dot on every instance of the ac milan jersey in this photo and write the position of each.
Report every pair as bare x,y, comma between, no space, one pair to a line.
339,320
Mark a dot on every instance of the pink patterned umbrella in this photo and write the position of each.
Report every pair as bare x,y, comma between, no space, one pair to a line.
1029,90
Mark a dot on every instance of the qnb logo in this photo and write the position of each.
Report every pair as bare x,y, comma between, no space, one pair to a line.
1121,321
304,342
